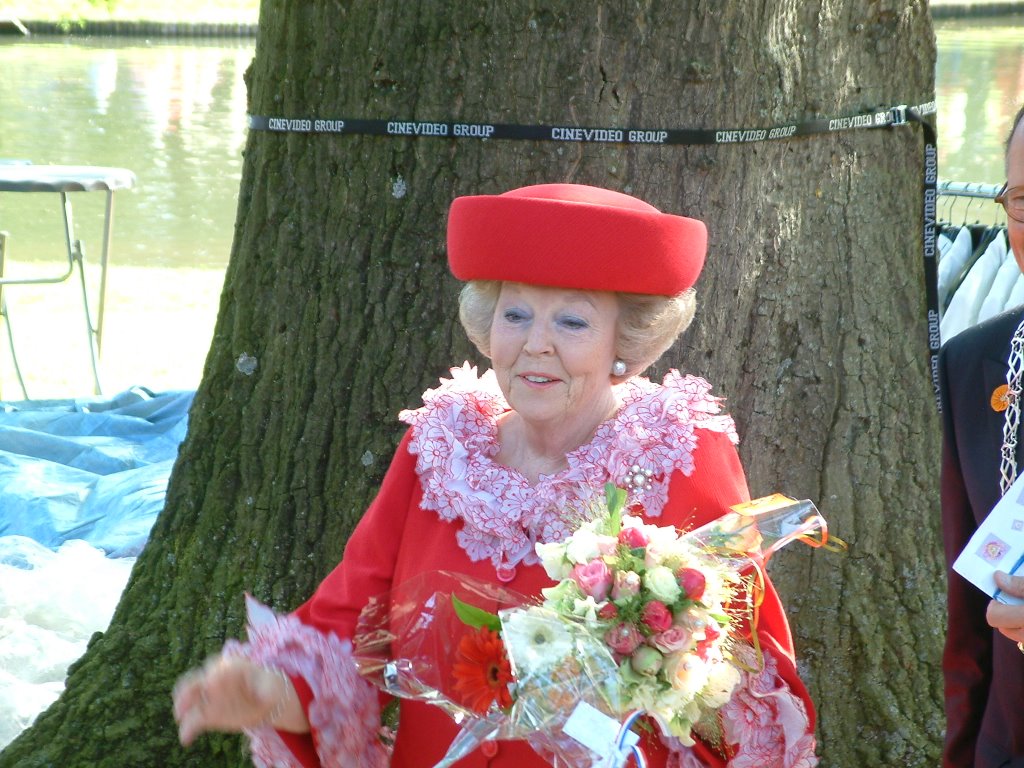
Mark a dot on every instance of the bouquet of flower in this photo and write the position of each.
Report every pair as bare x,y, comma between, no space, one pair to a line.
643,619
658,601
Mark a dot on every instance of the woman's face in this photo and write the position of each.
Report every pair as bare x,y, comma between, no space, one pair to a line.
552,350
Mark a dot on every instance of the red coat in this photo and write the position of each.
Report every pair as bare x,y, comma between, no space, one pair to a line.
398,539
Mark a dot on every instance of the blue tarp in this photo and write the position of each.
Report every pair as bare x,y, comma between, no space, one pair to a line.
92,469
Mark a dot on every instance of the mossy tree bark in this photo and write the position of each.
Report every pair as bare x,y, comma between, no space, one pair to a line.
338,311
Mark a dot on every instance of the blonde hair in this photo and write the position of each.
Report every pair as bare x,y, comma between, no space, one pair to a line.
647,327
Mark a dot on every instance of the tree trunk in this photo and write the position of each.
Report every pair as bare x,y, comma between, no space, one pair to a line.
338,311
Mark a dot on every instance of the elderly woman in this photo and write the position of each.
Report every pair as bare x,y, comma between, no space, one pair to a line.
572,292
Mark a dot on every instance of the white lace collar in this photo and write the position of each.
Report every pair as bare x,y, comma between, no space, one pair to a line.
455,437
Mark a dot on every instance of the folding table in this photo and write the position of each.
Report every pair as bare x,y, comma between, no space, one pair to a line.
63,179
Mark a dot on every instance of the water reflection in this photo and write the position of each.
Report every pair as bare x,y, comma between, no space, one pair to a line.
172,112
979,83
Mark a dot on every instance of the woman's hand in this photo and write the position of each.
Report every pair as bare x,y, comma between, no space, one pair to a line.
231,693
1008,619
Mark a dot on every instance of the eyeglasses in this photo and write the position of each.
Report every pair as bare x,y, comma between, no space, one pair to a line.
1012,199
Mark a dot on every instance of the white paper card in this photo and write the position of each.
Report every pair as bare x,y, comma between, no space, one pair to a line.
597,732
997,545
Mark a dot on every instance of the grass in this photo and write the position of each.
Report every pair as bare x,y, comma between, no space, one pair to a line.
182,11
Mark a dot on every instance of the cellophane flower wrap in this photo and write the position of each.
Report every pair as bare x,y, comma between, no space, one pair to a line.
437,638
642,618
408,642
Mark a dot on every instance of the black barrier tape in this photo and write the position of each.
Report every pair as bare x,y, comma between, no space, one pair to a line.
880,119
894,116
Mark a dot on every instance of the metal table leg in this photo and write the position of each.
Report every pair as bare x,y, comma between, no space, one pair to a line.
76,256
6,318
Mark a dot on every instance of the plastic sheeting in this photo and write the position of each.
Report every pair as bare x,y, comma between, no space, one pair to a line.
94,470
81,484
51,602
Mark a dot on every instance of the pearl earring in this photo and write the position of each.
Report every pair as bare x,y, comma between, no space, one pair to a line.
618,368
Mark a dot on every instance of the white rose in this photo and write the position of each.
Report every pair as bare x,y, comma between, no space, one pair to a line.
722,680
665,547
552,557
631,521
686,673
582,547
665,537
662,584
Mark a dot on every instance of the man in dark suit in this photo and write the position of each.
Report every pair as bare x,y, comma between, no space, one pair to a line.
982,379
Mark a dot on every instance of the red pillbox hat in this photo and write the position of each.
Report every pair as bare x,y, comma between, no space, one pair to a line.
574,236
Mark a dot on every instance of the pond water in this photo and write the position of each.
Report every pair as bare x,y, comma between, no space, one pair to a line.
174,112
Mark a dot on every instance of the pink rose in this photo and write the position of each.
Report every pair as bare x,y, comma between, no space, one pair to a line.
634,538
623,639
692,581
656,616
594,578
627,584
672,639
608,611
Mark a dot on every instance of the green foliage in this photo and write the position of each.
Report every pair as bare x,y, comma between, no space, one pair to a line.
616,501
475,617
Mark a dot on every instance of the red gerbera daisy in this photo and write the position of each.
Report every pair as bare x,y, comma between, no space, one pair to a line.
482,672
